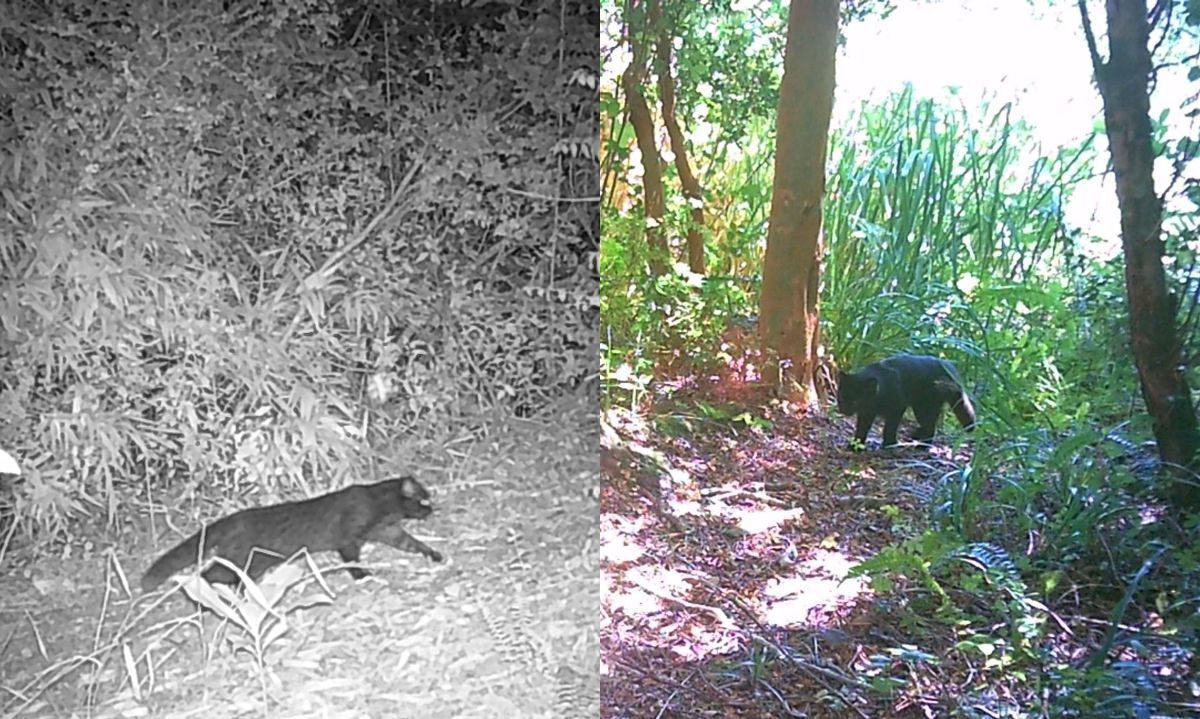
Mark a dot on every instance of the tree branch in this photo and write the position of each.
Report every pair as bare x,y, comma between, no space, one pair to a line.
1098,65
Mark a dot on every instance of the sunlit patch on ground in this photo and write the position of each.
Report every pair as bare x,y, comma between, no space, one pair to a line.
819,583
723,543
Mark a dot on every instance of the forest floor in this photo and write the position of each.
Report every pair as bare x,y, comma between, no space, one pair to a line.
728,526
505,627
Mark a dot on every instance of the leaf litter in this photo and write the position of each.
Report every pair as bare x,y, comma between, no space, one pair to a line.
728,527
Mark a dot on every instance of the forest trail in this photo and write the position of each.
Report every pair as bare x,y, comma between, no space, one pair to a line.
727,541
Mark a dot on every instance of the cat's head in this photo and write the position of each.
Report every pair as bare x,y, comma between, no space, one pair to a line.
854,392
407,498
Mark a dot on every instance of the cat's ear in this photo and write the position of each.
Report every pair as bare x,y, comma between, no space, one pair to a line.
410,487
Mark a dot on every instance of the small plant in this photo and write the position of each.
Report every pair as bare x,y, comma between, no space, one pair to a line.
257,611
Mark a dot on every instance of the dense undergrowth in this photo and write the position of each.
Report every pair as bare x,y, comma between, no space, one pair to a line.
946,235
253,246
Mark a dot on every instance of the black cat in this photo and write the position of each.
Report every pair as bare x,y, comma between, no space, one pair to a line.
259,538
893,385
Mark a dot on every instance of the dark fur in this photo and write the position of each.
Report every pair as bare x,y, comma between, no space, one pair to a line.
889,387
259,538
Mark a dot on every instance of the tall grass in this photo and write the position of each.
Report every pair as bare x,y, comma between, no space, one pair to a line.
945,236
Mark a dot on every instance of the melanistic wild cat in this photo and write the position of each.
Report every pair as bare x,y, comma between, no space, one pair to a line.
257,539
889,387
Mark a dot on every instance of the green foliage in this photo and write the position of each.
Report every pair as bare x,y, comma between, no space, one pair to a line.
1181,210
978,593
944,233
945,237
678,311
755,667
727,62
886,672
726,70
1029,520
256,246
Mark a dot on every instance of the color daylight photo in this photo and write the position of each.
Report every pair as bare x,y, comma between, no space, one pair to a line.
898,328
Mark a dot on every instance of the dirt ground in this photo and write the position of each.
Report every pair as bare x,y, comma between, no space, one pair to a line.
506,627
727,543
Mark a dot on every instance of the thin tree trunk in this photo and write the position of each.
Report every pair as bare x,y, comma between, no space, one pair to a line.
687,180
789,320
1124,87
643,129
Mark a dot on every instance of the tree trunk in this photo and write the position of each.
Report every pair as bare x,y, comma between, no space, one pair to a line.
1123,82
789,322
643,129
687,180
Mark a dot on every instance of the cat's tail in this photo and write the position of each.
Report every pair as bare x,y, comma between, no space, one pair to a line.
964,411
952,393
181,557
